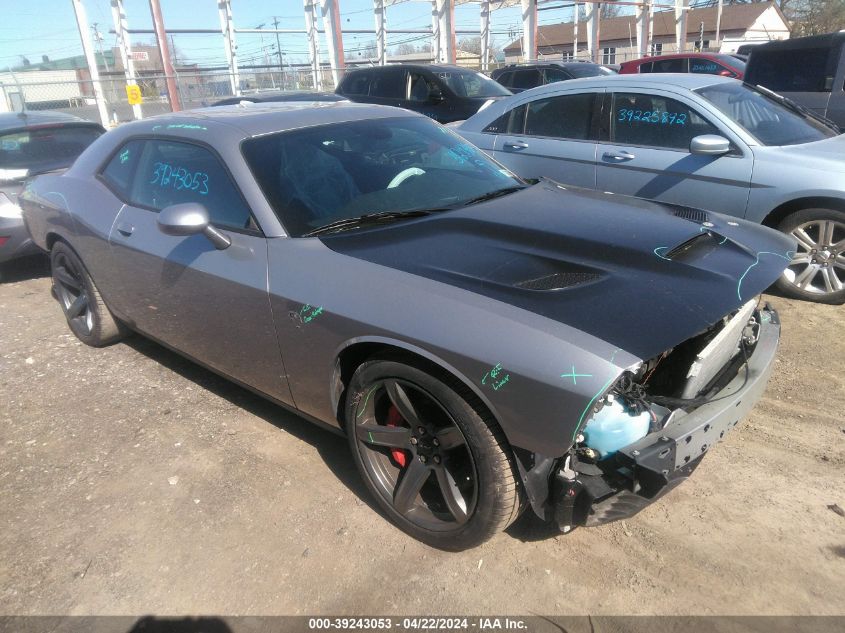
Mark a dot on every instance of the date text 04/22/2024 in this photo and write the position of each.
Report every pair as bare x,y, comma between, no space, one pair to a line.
420,624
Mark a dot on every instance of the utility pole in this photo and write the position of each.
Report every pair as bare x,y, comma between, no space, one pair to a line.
98,37
164,51
82,23
279,50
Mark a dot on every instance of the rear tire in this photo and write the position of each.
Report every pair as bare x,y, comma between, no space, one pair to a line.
433,458
817,271
87,314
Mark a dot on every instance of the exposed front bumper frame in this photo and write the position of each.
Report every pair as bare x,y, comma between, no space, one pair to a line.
650,467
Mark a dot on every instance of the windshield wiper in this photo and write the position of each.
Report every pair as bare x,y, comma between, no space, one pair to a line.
497,193
369,218
795,107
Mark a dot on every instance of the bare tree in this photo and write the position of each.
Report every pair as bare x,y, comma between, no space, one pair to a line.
405,49
610,10
814,17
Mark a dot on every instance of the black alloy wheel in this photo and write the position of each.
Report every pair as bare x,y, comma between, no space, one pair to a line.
439,467
72,294
87,314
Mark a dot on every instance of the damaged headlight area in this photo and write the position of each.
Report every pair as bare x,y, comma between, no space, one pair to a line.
651,428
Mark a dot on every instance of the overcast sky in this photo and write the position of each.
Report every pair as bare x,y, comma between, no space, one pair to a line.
48,27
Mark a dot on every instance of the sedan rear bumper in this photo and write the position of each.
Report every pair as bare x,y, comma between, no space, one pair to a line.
647,469
15,240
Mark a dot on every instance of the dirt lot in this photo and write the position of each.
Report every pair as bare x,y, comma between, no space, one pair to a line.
132,481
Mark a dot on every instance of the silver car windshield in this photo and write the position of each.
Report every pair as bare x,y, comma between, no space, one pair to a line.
768,121
324,174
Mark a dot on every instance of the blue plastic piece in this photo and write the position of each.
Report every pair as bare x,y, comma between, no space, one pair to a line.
613,428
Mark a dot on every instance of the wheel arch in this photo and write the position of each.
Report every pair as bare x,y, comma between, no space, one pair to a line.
353,353
777,215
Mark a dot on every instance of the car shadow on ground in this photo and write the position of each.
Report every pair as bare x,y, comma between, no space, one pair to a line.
333,448
25,268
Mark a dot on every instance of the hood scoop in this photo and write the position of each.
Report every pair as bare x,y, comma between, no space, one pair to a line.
557,281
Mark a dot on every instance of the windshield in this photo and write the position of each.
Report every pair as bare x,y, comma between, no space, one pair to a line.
471,84
588,70
39,149
332,172
762,116
730,60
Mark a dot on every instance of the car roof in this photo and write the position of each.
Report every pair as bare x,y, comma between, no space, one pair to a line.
255,119
279,95
430,67
642,60
687,81
17,120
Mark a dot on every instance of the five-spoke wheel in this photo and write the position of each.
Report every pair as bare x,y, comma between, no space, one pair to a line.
84,309
435,462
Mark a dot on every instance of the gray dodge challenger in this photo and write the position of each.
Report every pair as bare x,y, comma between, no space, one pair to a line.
486,345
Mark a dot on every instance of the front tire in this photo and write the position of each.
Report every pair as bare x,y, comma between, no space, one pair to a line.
432,457
817,270
87,314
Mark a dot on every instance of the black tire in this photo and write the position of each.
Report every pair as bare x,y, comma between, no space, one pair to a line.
87,314
818,267
461,450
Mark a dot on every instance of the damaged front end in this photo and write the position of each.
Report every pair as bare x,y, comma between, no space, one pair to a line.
651,428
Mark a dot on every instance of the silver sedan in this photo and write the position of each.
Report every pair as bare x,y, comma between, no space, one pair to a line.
693,140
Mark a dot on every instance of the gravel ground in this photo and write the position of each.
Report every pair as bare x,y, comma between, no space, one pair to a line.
133,481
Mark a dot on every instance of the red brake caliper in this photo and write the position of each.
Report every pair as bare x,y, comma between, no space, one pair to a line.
394,418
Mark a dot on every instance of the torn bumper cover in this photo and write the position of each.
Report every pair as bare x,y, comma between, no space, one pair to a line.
592,494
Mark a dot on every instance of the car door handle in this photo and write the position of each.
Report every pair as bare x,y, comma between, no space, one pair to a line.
516,145
125,229
618,157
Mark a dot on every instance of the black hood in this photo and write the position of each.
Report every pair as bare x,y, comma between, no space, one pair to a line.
639,275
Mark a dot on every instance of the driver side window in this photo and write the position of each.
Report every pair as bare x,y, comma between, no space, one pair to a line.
421,88
157,173
655,121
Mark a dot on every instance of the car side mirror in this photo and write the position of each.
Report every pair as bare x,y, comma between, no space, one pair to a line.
190,218
435,96
709,145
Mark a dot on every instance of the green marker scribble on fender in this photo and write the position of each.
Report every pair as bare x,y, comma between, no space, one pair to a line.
598,393
573,375
787,257
308,312
366,400
493,374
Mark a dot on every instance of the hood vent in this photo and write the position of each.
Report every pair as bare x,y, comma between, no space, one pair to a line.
557,281
691,214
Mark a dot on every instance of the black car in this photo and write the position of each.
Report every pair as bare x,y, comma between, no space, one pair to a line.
34,143
443,93
519,77
285,96
809,71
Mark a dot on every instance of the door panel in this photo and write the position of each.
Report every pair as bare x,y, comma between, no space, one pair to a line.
210,304
554,138
648,156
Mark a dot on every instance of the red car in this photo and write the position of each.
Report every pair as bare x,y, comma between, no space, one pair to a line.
702,63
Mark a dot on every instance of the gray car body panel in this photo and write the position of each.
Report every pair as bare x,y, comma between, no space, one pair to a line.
277,318
750,184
